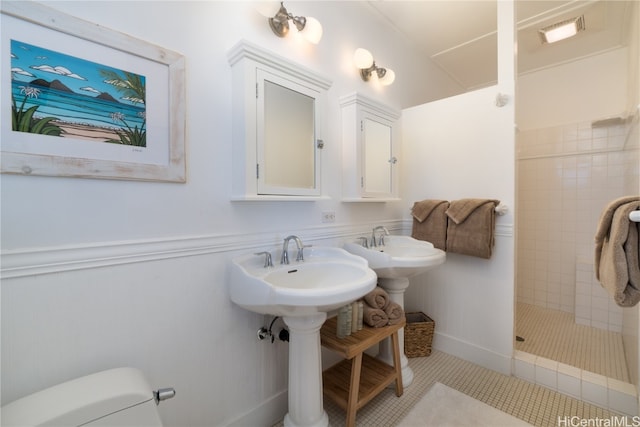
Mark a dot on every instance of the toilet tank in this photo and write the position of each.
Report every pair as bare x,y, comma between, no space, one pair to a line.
117,397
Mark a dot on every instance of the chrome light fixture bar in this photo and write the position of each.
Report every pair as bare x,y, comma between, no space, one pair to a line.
562,30
363,59
309,27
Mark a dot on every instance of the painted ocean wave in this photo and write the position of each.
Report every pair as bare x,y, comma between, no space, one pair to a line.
80,109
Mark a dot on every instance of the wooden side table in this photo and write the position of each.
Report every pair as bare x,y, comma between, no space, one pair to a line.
353,382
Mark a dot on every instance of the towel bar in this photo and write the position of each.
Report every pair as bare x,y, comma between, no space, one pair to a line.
501,209
634,216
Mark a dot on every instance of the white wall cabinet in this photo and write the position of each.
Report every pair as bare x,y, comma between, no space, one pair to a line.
370,149
278,126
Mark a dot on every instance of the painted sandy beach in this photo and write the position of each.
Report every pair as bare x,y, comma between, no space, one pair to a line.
92,133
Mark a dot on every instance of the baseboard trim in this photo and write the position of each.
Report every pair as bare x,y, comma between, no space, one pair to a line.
268,413
472,353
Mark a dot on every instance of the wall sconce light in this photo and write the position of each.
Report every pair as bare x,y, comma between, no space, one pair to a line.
363,59
309,27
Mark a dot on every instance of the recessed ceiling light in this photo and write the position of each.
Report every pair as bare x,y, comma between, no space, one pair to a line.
562,30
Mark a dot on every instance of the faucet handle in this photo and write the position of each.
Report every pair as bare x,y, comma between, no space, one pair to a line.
364,242
300,255
268,262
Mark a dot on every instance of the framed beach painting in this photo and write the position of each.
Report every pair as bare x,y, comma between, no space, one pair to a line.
80,100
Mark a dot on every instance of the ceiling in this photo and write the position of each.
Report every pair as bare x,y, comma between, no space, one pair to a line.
460,35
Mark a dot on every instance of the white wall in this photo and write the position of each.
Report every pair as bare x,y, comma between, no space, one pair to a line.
633,70
463,147
206,195
591,88
99,273
460,150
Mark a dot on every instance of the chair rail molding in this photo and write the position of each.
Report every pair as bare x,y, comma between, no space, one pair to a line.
56,259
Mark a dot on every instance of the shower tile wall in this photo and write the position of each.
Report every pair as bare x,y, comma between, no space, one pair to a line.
566,176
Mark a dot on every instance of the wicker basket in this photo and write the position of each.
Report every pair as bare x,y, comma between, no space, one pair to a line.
418,335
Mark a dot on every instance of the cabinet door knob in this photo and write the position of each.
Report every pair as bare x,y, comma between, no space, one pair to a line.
393,160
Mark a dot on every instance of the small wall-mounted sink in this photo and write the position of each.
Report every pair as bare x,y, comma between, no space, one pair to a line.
302,292
401,256
327,279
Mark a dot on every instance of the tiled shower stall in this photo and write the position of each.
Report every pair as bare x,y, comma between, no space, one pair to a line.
566,176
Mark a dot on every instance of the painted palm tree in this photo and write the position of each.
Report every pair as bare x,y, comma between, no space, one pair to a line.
130,86
133,89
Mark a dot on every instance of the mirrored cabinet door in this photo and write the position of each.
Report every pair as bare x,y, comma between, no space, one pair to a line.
370,141
377,157
287,160
278,120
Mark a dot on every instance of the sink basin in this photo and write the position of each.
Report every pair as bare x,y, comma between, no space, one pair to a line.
401,256
327,279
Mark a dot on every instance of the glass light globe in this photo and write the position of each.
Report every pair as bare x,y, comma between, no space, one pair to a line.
267,8
362,58
312,30
388,78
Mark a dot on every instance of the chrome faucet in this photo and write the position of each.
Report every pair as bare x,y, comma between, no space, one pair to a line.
285,249
363,241
380,241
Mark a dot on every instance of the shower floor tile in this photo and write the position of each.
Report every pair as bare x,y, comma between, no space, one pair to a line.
554,335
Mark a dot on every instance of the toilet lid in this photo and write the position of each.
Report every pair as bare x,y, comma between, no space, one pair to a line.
81,400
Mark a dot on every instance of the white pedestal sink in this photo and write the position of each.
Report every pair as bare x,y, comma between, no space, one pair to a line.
401,257
302,292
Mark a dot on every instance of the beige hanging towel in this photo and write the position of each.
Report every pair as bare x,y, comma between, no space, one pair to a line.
430,222
471,227
617,261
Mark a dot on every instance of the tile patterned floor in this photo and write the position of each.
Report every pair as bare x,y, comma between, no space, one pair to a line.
554,335
534,404
584,347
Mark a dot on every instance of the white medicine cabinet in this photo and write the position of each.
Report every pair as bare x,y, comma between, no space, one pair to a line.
278,126
370,145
